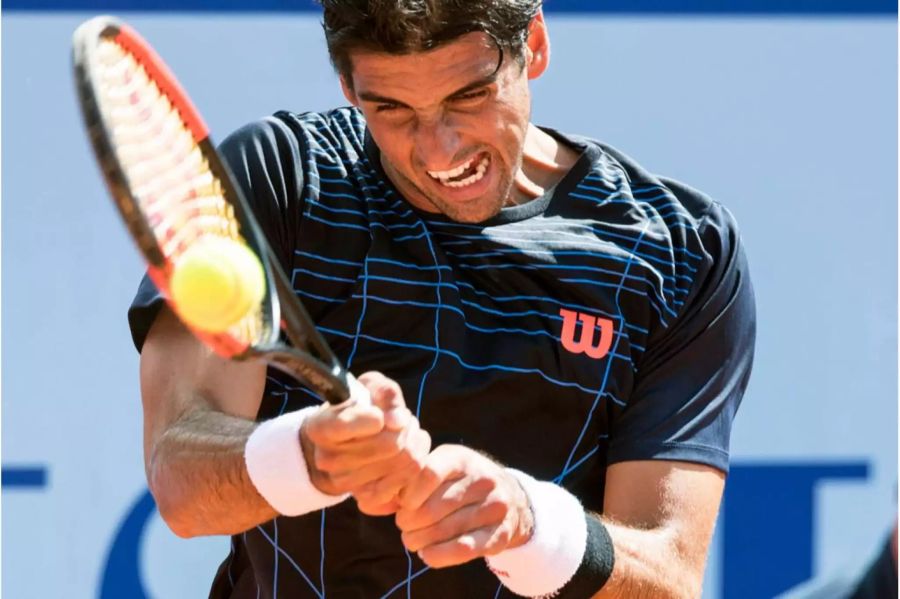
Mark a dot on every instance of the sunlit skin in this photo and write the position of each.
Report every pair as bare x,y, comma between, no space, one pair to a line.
435,110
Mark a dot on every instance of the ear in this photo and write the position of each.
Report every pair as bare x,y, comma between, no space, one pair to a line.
537,49
347,88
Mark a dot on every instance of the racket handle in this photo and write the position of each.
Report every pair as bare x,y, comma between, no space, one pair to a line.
358,392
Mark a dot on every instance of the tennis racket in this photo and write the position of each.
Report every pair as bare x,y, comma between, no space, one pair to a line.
172,189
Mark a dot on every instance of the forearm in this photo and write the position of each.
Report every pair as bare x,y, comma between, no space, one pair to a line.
650,565
197,474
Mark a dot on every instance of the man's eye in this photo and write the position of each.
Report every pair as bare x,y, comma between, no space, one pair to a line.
469,96
387,107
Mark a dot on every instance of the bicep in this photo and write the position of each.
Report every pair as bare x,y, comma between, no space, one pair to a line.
680,498
179,375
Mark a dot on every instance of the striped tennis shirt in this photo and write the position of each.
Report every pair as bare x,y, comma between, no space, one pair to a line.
610,319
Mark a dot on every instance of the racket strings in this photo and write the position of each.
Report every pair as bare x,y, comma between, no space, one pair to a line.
171,180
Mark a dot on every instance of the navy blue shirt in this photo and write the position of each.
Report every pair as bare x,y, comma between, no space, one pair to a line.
611,319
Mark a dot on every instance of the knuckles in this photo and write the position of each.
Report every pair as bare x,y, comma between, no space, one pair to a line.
382,389
405,447
429,476
323,460
362,418
495,508
374,507
406,520
449,555
333,425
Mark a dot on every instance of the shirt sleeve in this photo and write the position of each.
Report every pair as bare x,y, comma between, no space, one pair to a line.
690,381
264,158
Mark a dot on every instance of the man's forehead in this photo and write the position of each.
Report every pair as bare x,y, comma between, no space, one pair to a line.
473,54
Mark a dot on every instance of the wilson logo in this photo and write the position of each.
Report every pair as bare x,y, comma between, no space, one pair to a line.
587,342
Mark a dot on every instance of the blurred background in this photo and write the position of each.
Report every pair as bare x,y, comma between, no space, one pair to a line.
784,110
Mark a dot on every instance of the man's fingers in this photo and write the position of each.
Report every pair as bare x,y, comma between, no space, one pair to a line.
377,509
349,481
387,395
340,458
440,466
381,497
332,425
354,477
465,519
459,550
390,486
452,495
386,445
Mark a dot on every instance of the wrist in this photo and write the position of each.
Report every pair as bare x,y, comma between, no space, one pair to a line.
525,523
277,465
555,548
568,553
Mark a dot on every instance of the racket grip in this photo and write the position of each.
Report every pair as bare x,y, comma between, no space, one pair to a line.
358,392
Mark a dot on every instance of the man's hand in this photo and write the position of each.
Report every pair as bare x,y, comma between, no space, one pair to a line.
371,451
462,506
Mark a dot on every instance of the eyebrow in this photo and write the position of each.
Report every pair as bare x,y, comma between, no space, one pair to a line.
478,83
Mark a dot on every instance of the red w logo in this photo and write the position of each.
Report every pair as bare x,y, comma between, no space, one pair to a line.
585,343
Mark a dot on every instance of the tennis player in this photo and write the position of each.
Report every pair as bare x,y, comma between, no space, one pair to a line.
573,332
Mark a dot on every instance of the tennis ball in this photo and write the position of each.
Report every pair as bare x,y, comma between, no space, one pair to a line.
216,282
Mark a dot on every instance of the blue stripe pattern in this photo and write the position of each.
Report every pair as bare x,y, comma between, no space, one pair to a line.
466,303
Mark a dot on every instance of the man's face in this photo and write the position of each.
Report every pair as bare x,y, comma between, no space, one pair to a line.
450,125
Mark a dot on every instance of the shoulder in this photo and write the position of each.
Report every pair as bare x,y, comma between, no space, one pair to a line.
340,132
671,232
697,207
334,132
706,253
694,223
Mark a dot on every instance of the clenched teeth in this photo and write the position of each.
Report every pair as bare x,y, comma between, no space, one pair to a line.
445,176
452,172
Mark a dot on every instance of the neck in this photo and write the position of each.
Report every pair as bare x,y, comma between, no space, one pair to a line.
545,161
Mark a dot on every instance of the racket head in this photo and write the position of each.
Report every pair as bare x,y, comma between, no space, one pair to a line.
172,188
162,170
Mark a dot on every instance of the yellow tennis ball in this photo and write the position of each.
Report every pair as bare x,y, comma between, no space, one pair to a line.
216,282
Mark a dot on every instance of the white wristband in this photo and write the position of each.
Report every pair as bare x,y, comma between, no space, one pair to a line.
277,467
550,558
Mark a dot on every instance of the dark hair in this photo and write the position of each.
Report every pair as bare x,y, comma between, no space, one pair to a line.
406,26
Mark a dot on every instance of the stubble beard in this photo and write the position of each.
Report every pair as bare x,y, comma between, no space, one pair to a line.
482,209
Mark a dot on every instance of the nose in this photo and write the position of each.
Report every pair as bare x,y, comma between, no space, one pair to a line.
437,143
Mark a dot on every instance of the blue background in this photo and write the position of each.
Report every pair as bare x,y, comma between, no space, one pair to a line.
784,111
